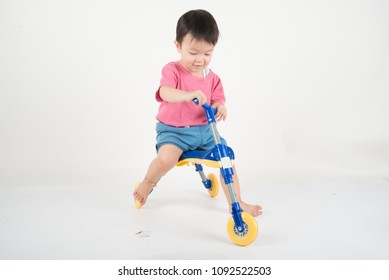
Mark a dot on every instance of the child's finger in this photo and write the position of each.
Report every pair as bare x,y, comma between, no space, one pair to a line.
221,113
217,114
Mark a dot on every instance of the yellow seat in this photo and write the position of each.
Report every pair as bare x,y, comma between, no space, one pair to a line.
206,162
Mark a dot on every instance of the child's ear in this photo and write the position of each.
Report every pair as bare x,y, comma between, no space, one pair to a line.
178,46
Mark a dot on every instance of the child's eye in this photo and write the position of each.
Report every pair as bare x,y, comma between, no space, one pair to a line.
192,53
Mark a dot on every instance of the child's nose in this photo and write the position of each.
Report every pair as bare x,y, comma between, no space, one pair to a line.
199,59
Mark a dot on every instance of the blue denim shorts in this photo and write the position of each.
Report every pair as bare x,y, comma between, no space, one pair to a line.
186,138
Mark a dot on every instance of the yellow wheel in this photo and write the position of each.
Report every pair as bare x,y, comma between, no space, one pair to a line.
214,190
138,205
248,235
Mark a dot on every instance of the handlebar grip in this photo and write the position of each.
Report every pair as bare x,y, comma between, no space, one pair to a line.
210,111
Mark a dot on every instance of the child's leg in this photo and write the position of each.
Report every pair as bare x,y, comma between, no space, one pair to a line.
254,210
166,159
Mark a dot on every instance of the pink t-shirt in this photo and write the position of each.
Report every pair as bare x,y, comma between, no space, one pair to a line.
187,113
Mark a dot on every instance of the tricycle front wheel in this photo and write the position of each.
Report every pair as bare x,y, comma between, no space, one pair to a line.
248,235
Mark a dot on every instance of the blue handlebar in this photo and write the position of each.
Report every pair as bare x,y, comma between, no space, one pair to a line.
209,111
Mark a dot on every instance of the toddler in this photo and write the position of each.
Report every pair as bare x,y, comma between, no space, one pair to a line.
182,124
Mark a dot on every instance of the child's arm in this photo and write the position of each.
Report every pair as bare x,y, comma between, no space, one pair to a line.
175,95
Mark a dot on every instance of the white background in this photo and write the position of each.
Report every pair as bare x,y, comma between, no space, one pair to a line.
306,81
307,86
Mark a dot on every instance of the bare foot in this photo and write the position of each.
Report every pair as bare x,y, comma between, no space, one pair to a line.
253,210
142,191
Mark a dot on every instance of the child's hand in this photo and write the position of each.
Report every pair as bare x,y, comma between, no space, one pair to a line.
197,94
221,111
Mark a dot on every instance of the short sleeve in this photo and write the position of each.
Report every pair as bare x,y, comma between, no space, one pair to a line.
169,78
217,91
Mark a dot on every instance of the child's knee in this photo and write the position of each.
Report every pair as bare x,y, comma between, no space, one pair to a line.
167,160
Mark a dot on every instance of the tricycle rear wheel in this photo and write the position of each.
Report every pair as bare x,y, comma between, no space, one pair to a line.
215,186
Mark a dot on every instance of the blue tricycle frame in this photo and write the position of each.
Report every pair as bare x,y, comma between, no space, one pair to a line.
241,227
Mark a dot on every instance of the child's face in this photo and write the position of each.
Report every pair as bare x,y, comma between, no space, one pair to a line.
195,55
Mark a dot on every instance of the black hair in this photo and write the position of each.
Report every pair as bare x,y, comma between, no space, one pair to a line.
200,24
